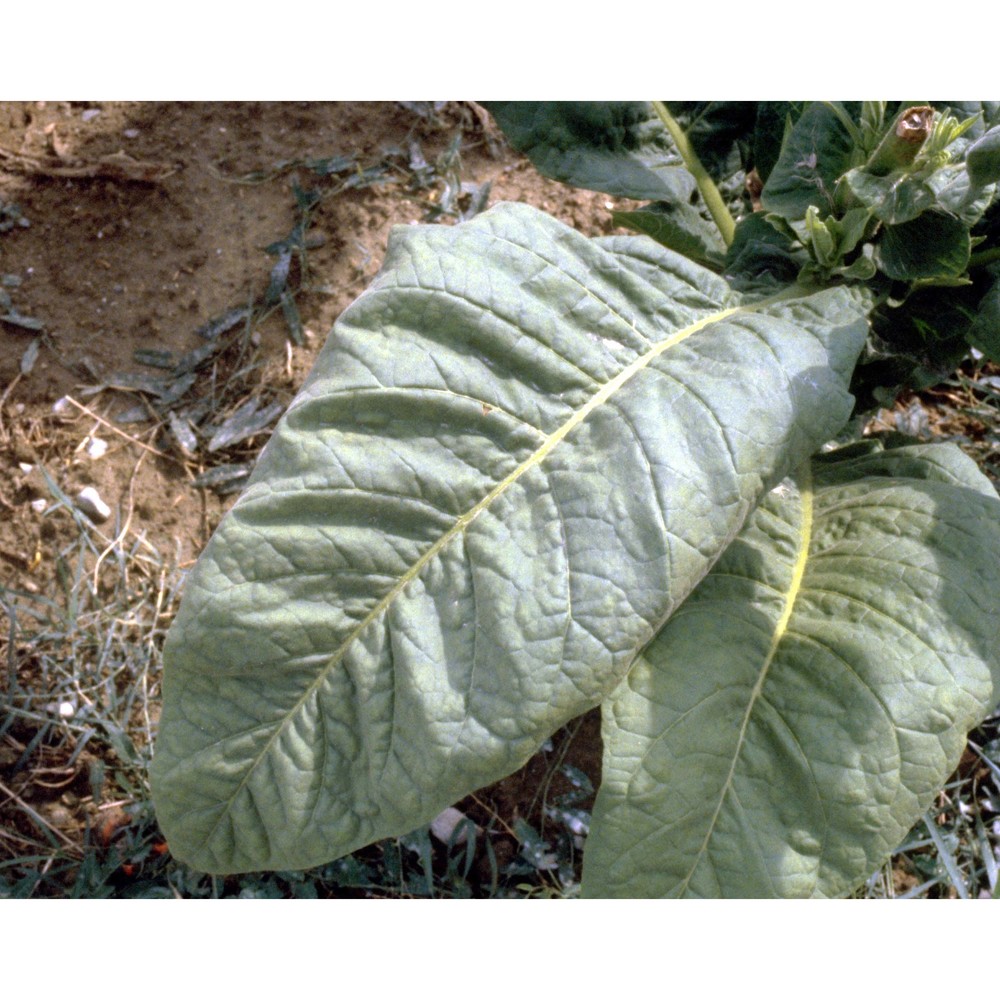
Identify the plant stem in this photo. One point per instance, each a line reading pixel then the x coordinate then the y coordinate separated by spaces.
pixel 709 192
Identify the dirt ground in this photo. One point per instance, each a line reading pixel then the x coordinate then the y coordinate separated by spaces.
pixel 141 223
pixel 130 227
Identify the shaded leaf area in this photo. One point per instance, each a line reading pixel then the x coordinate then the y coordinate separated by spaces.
pixel 619 147
pixel 679 227
pixel 517 454
pixel 761 257
pixel 982 159
pixel 931 246
pixel 984 330
pixel 920 342
pixel 797 715
pixel 719 131
pixel 774 119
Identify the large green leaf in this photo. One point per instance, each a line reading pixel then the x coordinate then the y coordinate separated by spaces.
pixel 894 198
pixel 619 147
pixel 814 154
pixel 517 454
pixel 797 715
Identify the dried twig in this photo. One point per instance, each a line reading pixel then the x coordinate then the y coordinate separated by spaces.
pixel 128 437
pixel 115 166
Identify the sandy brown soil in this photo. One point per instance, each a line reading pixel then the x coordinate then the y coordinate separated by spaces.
pixel 112 262
pixel 136 224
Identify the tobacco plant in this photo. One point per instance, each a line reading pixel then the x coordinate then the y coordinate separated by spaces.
pixel 532 473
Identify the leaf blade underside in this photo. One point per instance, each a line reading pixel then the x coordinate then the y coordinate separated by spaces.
pixel 783 732
pixel 516 455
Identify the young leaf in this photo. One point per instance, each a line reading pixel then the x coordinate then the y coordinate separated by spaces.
pixel 517 454
pixel 798 714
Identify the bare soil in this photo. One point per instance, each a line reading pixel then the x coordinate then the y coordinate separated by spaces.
pixel 136 224
pixel 112 264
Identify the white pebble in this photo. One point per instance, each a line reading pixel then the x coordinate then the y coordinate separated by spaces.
pixel 96 447
pixel 90 502
pixel 444 825
pixel 39 505
pixel 66 710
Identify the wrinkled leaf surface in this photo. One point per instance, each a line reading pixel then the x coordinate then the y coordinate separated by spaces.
pixel 517 454
pixel 798 714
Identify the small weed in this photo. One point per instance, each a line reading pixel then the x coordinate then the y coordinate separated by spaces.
pixel 79 698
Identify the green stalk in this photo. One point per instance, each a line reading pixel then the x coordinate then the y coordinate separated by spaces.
pixel 709 192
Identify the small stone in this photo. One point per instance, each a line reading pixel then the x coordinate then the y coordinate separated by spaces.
pixel 90 502
pixel 39 505
pixel 64 709
pixel 61 406
pixel 96 447
pixel 59 815
pixel 443 826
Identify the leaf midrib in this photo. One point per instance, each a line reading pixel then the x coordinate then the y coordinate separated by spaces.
pixel 803 479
